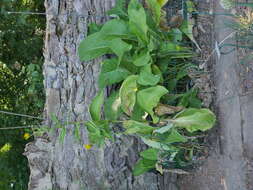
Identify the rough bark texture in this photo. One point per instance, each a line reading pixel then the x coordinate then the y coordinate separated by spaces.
pixel 70 85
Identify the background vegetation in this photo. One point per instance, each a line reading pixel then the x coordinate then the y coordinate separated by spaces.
pixel 21 87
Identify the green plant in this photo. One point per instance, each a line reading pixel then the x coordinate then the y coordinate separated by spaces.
pixel 21 85
pixel 151 100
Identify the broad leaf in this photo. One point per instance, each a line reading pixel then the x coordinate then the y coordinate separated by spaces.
pixel 92 47
pixel 195 119
pixel 142 166
pixel 127 94
pixel 155 8
pixel 147 78
pixel 149 98
pixel 133 127
pixel 137 20
pixel 112 106
pixel 97 44
pixel 142 59
pixel 115 28
pixel 111 73
pixel 119 47
pixel 174 137
pixel 95 107
pixel 150 154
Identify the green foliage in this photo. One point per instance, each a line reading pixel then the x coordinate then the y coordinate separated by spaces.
pixel 95 107
pixel 195 119
pixel 148 69
pixel 21 86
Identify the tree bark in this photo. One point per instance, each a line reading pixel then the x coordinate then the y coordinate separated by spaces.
pixel 70 85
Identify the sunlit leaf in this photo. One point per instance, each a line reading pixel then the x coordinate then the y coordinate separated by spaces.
pixel 149 98
pixel 112 106
pixel 127 94
pixel 195 119
pixel 92 47
pixel 133 127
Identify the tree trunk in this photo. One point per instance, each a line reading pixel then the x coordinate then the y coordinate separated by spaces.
pixel 70 85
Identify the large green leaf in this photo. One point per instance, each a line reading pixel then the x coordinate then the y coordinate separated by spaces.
pixel 115 28
pixel 92 47
pixel 174 136
pixel 147 78
pixel 99 43
pixel 142 59
pixel 133 127
pixel 143 165
pixel 137 20
pixel 149 98
pixel 112 106
pixel 150 154
pixel 119 47
pixel 95 107
pixel 155 8
pixel 195 119
pixel 111 73
pixel 127 94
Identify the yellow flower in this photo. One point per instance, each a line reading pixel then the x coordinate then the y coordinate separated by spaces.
pixel 135 89
pixel 87 146
pixel 26 136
